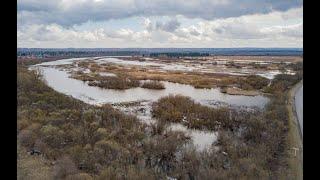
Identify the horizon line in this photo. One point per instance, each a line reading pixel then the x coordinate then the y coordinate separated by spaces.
pixel 161 48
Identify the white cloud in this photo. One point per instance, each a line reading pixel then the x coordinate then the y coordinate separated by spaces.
pixel 275 29
pixel 294 30
pixel 147 24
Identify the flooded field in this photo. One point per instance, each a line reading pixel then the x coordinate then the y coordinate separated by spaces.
pixel 217 66
pixel 57 75
pixel 61 82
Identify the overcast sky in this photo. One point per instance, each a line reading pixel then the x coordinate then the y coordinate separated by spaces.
pixel 159 23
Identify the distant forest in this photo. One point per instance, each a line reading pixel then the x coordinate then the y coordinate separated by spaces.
pixel 155 52
pixel 174 54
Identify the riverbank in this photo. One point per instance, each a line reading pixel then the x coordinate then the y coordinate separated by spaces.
pixel 295 136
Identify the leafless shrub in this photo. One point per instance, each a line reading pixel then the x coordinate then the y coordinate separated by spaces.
pixel 64 167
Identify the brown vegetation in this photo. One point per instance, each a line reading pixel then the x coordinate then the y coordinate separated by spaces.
pixel 115 83
pixel 252 145
pixel 253 82
pixel 153 85
pixel 237 91
pixel 283 82
pixel 108 82
pixel 184 110
pixel 198 80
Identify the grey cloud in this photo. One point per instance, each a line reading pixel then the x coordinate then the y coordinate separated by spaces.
pixel 168 26
pixel 195 32
pixel 238 31
pixel 218 31
pixel 68 13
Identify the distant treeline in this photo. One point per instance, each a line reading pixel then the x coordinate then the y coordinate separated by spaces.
pixel 45 54
pixel 175 54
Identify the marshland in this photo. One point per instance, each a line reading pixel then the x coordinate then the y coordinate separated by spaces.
pixel 156 117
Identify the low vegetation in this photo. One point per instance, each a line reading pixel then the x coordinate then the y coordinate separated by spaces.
pixel 252 145
pixel 80 140
pixel 253 82
pixel 115 83
pixel 107 82
pixel 181 109
pixel 283 82
pixel 238 91
pixel 153 85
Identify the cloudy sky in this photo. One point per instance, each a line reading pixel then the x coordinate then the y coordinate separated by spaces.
pixel 159 23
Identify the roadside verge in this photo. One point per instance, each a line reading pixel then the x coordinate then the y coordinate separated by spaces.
pixel 295 139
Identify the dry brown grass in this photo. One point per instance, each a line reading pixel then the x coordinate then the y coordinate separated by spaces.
pixel 195 79
pixel 237 91
pixel 198 80
pixel 263 58
pixel 108 82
